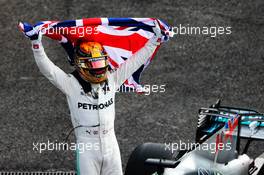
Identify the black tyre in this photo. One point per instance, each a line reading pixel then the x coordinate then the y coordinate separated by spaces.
pixel 136 166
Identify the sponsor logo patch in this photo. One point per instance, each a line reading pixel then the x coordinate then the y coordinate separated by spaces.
pixel 35 46
pixel 95 106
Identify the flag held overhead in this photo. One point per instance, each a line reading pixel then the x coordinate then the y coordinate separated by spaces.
pixel 120 37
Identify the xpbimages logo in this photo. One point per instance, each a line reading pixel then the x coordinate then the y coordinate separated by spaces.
pixel 212 31
pixel 211 147
pixel 41 147
pixel 81 31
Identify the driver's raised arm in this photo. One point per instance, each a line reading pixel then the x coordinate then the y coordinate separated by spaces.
pixel 138 59
pixel 53 73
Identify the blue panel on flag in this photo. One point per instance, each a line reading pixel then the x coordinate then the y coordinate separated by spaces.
pixel 125 22
pixel 67 23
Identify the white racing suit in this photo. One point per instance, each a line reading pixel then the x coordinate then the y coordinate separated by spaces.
pixel 93 117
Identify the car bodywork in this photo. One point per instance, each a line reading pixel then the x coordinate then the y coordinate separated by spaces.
pixel 223 127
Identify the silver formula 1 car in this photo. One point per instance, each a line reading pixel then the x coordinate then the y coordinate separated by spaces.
pixel 217 149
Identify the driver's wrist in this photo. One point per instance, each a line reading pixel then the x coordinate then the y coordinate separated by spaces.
pixel 36 44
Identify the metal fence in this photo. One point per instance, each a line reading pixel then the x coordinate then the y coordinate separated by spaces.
pixel 40 173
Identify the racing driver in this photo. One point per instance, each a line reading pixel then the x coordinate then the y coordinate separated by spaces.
pixel 90 92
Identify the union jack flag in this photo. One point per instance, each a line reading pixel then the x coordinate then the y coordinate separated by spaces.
pixel 120 37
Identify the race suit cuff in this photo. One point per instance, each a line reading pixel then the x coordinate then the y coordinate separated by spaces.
pixel 36 45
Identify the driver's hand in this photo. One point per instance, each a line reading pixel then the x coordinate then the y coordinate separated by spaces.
pixel 30 32
pixel 156 39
